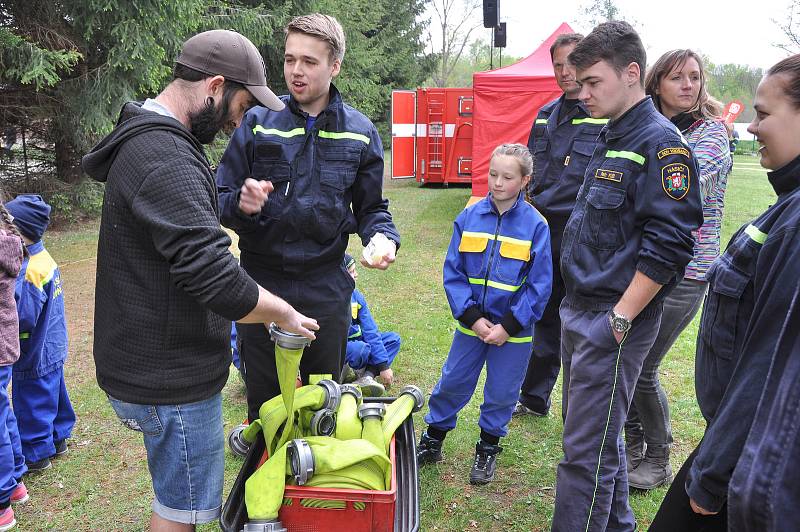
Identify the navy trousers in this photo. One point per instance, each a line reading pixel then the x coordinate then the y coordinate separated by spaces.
pixel 545 362
pixel 325 297
pixel 599 380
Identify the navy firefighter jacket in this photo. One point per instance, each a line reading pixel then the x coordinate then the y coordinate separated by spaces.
pixel 636 210
pixel 750 293
pixel 498 266
pixel 328 184
pixel 42 323
pixel 561 150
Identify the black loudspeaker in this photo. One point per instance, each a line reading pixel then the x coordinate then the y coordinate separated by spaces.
pixel 500 35
pixel 491 13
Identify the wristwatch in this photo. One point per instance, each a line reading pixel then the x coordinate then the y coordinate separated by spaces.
pixel 619 323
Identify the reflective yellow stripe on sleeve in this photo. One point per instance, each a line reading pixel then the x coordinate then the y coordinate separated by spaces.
pixel 540 121
pixel 512 339
pixel 631 156
pixel 755 233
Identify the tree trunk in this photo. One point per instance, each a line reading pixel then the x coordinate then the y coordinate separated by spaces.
pixel 67 161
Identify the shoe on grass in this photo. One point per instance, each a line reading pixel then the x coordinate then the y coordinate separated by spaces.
pixel 429 450
pixel 39 465
pixel 522 410
pixel 61 448
pixel 20 494
pixel 369 386
pixel 7 521
pixel 485 463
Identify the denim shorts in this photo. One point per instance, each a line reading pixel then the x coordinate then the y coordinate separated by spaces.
pixel 185 456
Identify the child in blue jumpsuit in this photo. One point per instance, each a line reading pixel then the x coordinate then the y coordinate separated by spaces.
pixel 497 277
pixel 370 352
pixel 41 402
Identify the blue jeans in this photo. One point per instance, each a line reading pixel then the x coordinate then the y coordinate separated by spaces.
pixel 185 456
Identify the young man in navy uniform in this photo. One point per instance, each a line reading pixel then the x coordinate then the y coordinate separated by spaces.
pixel 625 246
pixel 294 184
pixel 562 140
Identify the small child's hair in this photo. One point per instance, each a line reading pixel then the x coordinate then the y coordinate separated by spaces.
pixel 520 153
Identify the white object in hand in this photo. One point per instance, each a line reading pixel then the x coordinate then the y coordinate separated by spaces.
pixel 377 248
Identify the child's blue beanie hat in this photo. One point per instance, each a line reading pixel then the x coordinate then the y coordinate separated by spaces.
pixel 31 215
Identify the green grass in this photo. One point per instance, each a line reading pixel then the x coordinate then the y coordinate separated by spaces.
pixel 103 483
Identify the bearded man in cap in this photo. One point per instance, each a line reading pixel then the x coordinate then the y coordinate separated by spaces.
pixel 167 287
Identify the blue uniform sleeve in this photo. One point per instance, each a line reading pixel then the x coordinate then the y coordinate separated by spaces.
pixel 370 332
pixel 456 283
pixel 30 303
pixel 528 303
pixel 668 209
pixel 369 206
pixel 722 444
pixel 236 166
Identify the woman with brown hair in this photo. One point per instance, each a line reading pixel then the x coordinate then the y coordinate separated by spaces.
pixel 677 84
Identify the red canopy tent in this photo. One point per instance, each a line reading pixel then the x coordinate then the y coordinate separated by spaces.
pixel 506 103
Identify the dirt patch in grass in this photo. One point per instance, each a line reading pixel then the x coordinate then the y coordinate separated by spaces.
pixel 78 279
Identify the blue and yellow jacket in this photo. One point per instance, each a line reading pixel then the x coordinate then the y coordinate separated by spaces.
pixel 364 328
pixel 42 324
pixel 561 150
pixel 498 266
pixel 328 183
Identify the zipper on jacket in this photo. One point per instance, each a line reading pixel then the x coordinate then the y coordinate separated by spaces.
pixel 491 260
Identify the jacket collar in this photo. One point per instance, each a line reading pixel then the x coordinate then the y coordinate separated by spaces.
pixel 334 103
pixel 630 119
pixel 787 178
pixel 36 247
pixel 560 102
pixel 487 206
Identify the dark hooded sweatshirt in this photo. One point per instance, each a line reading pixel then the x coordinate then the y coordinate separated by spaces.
pixel 167 285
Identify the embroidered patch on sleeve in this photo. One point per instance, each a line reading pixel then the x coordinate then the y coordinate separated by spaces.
pixel 611 175
pixel 673 151
pixel 675 180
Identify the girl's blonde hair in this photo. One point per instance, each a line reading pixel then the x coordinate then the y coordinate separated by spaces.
pixel 520 153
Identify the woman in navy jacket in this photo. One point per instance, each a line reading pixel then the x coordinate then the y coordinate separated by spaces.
pixel 743 334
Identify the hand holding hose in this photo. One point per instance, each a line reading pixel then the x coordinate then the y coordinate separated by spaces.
pixel 294 322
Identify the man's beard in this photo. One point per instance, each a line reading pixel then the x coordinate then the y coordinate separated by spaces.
pixel 208 121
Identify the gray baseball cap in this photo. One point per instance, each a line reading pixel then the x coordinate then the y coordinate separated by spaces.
pixel 231 55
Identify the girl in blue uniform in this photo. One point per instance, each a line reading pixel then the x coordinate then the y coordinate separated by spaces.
pixel 497 278
pixel 41 402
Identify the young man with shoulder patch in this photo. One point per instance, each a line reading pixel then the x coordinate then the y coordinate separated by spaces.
pixel 625 247
pixel 294 184
pixel 562 141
